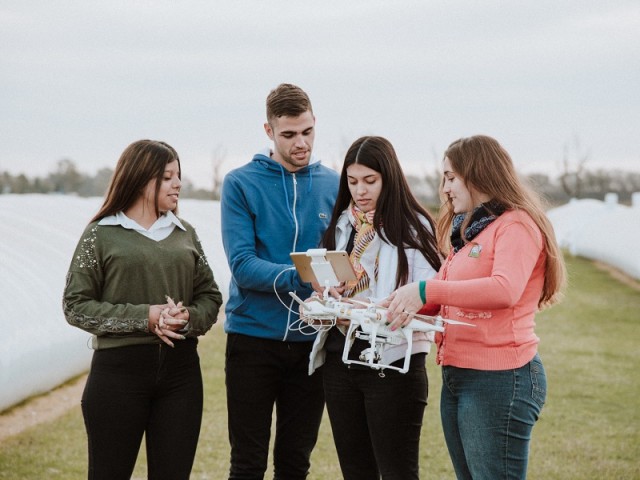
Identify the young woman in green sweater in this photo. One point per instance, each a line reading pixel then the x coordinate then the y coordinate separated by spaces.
pixel 140 283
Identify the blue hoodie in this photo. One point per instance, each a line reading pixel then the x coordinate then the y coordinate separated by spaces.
pixel 268 212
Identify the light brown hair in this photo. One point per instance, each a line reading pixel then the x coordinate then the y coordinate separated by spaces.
pixel 485 167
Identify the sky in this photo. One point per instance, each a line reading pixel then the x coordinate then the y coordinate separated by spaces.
pixel 82 79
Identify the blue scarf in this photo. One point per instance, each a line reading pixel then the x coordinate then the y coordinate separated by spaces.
pixel 481 217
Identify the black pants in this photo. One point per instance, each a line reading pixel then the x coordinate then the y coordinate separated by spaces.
pixel 259 374
pixel 376 421
pixel 144 389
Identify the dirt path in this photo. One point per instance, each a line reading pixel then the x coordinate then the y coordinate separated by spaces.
pixel 618 275
pixel 42 408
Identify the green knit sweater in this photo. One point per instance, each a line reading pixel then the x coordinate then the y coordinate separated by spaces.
pixel 116 274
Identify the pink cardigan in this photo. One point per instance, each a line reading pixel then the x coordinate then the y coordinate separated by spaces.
pixel 493 282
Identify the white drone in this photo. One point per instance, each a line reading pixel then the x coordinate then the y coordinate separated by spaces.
pixel 368 321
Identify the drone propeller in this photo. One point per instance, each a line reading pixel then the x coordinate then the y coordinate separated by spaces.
pixel 300 301
pixel 364 304
pixel 427 318
pixel 304 304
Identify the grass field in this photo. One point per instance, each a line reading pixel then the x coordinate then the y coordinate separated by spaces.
pixel 589 428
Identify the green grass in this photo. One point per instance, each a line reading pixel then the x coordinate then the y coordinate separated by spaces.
pixel 588 428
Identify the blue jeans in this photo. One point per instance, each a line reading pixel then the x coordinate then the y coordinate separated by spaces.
pixel 488 416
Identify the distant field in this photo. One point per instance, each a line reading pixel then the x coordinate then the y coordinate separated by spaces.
pixel 589 427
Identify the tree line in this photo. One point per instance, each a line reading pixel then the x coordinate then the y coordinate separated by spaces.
pixel 574 182
pixel 68 180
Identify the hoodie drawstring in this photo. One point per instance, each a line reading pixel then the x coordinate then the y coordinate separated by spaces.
pixel 286 193
pixel 295 238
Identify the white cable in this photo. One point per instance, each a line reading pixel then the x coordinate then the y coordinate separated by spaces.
pixel 275 280
pixel 318 323
pixel 301 326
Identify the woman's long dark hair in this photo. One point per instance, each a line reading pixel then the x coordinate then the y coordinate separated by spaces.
pixel 397 210
pixel 141 162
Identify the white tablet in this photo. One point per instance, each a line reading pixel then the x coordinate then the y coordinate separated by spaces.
pixel 310 268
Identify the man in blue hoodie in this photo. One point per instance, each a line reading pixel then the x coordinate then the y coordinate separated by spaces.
pixel 278 203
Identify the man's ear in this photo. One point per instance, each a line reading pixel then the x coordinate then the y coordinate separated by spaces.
pixel 268 130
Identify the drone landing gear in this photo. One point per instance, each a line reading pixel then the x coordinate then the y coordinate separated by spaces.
pixel 378 336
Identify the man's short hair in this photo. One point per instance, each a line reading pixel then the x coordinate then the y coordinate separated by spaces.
pixel 287 100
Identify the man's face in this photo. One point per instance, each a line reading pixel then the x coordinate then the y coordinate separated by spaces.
pixel 292 139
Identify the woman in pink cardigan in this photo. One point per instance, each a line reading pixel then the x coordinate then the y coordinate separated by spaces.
pixel 503 265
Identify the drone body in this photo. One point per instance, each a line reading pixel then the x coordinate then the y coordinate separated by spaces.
pixel 367 322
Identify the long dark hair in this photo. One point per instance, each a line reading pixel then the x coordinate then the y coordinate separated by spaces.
pixel 141 162
pixel 397 210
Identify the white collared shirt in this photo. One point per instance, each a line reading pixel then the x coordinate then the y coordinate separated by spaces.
pixel 161 228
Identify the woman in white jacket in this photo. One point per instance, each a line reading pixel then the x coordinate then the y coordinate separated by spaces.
pixel 390 241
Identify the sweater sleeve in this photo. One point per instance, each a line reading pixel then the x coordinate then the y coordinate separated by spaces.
pixel 81 303
pixel 205 305
pixel 517 249
pixel 239 240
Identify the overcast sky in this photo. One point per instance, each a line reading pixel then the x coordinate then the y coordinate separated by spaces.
pixel 83 79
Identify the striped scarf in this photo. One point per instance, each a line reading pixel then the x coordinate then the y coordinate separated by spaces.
pixel 362 223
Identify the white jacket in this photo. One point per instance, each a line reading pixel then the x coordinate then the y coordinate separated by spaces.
pixel 419 269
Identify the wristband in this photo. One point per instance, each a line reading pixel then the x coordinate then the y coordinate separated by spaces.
pixel 422 286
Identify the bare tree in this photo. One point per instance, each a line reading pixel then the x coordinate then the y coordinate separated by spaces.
pixel 338 161
pixel 217 159
pixel 572 178
pixel 433 175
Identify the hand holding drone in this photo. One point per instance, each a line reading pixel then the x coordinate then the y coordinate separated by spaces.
pixel 368 321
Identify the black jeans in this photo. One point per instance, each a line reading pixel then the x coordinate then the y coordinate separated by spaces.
pixel 259 374
pixel 376 421
pixel 143 389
